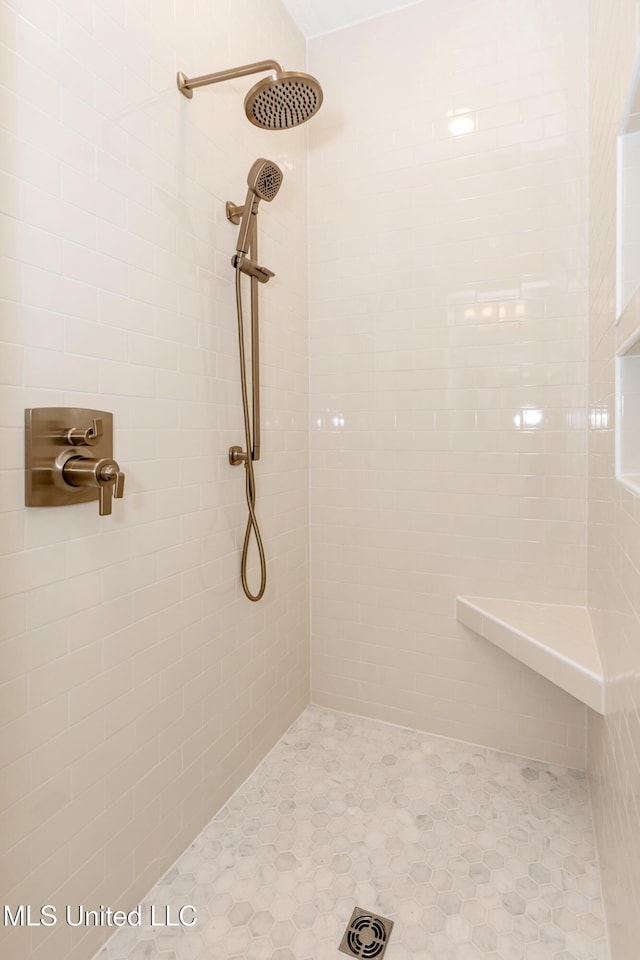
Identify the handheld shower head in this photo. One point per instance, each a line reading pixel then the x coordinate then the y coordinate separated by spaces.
pixel 264 181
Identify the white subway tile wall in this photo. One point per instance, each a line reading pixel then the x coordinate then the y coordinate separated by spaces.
pixel 448 338
pixel 448 419
pixel 614 529
pixel 140 687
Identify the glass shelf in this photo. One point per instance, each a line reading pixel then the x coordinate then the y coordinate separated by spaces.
pixel 628 411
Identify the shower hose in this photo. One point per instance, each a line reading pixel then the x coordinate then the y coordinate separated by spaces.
pixel 249 477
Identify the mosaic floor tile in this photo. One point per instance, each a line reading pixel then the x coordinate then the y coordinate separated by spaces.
pixel 473 854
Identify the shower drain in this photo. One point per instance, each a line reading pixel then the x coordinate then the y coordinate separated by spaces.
pixel 366 935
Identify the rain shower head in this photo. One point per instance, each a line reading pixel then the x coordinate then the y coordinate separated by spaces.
pixel 278 102
pixel 283 100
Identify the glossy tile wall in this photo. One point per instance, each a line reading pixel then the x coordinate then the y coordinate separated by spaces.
pixel 138 686
pixel 614 530
pixel 448 335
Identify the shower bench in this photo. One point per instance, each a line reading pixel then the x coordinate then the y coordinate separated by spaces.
pixel 554 640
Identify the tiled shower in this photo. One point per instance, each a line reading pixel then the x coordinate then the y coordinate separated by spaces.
pixel 438 398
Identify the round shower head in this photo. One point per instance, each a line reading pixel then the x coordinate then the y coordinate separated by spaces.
pixel 265 179
pixel 283 100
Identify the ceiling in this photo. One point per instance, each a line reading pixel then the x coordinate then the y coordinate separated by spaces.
pixel 314 17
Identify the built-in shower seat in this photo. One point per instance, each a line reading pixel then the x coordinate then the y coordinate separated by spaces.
pixel 556 641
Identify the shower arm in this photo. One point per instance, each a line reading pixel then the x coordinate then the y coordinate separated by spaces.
pixel 187 86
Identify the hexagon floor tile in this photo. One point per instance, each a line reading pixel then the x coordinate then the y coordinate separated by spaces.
pixel 474 854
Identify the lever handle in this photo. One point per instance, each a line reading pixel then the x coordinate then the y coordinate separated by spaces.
pixel 111 479
pixel 76 435
pixel 105 474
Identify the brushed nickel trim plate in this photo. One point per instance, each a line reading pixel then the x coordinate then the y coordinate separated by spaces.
pixel 69 458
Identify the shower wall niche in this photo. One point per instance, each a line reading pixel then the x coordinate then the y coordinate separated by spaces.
pixel 628 198
pixel 627 434
pixel 628 411
pixel 628 259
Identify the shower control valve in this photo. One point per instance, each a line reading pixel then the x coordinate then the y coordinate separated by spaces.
pixel 67 464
